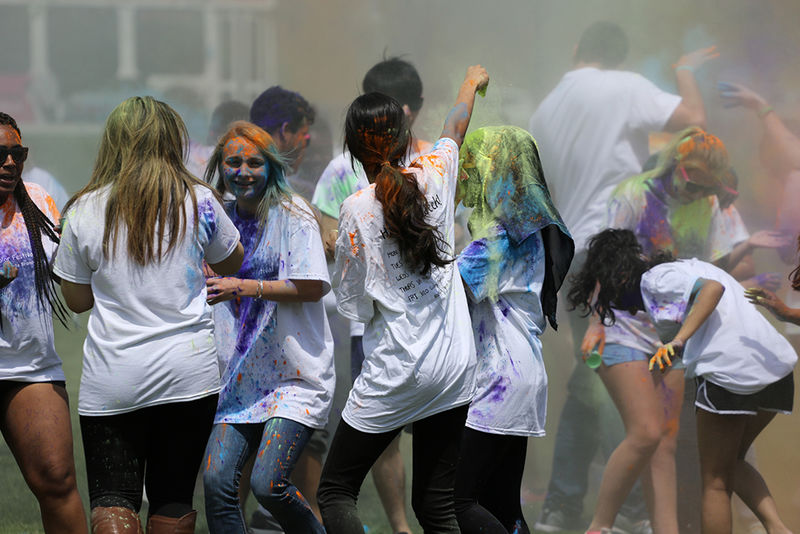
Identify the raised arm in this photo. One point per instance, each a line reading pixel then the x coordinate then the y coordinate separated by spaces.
pixel 457 121
pixel 691 111
pixel 780 148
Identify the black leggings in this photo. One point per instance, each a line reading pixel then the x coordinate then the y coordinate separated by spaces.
pixel 488 483
pixel 435 453
pixel 159 447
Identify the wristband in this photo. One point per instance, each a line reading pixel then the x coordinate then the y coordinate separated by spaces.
pixel 763 112
pixel 260 289
pixel 685 67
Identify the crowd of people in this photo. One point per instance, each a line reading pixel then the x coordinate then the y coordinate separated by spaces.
pixel 209 348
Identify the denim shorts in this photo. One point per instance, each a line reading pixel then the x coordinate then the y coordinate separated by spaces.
pixel 614 354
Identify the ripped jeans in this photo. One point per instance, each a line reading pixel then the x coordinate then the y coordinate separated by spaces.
pixel 277 445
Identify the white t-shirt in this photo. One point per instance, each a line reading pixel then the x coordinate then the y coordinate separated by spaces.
pixel 699 229
pixel 150 334
pixel 736 347
pixel 27 353
pixel 507 321
pixel 592 131
pixel 277 356
pixel 341 178
pixel 418 343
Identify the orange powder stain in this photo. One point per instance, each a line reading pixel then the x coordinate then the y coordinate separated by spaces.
pixel 208 464
pixel 239 377
pixel 353 246
pixel 298 372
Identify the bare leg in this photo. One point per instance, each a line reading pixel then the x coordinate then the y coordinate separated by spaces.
pixel 631 387
pixel 305 477
pixel 748 483
pixel 36 425
pixel 660 476
pixel 390 481
pixel 719 440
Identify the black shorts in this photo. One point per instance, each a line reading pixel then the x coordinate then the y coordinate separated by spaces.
pixel 776 397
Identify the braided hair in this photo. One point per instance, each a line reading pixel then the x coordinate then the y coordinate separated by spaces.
pixel 37 223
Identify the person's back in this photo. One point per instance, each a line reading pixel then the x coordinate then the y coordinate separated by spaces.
pixel 592 131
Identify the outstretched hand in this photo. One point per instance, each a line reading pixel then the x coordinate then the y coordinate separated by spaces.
pixel 767 299
pixel 734 94
pixel 696 59
pixel 7 274
pixel 770 239
pixel 665 354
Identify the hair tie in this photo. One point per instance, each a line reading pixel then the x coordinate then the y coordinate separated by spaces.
pixel 386 163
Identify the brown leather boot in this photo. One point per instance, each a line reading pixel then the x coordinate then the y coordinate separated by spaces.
pixel 115 520
pixel 159 524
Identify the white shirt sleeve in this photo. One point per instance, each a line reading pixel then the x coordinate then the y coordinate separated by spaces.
pixel 305 258
pixel 224 236
pixel 650 107
pixel 71 263
pixel 727 230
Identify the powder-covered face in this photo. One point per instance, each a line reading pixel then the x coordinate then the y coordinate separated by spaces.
pixel 244 169
pixel 10 170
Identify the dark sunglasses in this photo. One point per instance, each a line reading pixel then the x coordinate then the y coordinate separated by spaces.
pixel 18 153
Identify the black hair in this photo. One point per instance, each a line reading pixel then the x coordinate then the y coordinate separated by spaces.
pixel 224 115
pixel 37 224
pixel 277 106
pixel 603 42
pixel 377 135
pixel 613 269
pixel 396 78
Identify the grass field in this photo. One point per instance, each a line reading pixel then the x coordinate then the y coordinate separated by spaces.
pixel 778 450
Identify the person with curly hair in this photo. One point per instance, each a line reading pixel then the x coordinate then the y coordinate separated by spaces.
pixel 742 365
pixel 34 408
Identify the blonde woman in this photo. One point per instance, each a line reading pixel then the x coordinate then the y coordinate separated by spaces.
pixel 132 251
pixel 278 378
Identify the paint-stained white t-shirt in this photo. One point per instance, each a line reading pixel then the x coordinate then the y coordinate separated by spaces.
pixel 592 131
pixel 27 350
pixel 150 335
pixel 736 347
pixel 418 343
pixel 505 283
pixel 277 357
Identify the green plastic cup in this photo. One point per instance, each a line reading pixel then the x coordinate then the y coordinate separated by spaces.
pixel 594 359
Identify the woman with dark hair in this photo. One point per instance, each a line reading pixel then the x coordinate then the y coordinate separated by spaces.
pixel 132 251
pixel 513 268
pixel 395 272
pixel 278 376
pixel 34 409
pixel 742 365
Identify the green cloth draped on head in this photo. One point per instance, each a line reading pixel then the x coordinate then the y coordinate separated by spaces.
pixel 503 181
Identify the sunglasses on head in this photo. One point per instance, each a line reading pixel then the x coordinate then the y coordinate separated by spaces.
pixel 18 153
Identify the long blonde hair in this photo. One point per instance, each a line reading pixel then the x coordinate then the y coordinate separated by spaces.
pixel 141 159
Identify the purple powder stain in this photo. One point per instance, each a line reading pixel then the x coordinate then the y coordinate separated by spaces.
pixel 497 391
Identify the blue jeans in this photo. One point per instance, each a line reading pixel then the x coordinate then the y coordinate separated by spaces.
pixel 277 445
